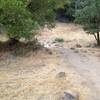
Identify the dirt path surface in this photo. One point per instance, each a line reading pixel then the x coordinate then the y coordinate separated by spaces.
pixel 87 67
pixel 36 75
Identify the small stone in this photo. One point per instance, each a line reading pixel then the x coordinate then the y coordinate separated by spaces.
pixel 49 51
pixel 61 74
pixel 78 46
pixel 72 48
pixel 70 96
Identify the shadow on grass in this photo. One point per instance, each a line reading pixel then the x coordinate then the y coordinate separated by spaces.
pixel 19 48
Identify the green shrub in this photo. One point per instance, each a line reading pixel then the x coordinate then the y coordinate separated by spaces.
pixel 61 40
pixel 16 19
pixel 20 17
pixel 88 15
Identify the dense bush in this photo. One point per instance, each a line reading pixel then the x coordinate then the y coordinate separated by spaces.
pixel 16 19
pixel 45 10
pixel 70 9
pixel 88 14
pixel 20 17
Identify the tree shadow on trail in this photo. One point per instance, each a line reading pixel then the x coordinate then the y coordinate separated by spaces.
pixel 19 48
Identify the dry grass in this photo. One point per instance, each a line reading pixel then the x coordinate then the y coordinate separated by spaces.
pixel 29 75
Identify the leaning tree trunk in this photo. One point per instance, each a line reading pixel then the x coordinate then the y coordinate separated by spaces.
pixel 98 39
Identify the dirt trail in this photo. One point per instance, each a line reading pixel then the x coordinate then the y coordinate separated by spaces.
pixel 84 64
pixel 35 76
pixel 87 67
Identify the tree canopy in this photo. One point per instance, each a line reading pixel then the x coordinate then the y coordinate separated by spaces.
pixel 20 17
pixel 88 14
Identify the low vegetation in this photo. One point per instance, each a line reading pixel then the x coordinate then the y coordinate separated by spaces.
pixel 61 40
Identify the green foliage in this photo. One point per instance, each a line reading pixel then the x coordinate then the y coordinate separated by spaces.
pixel 44 10
pixel 20 17
pixel 88 14
pixel 16 19
pixel 61 40
pixel 70 9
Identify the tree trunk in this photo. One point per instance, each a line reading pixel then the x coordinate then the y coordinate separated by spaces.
pixel 98 39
